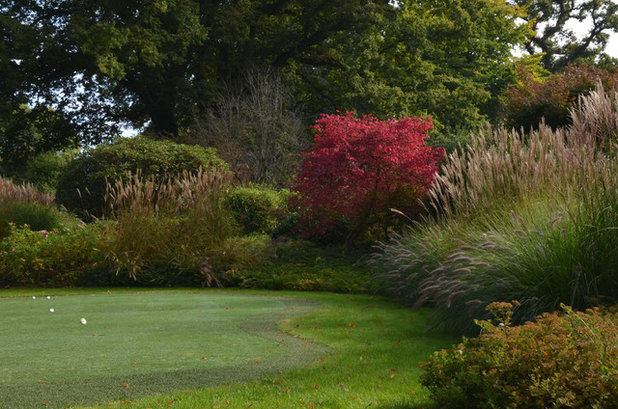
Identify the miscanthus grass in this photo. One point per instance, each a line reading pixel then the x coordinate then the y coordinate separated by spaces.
pixel 527 217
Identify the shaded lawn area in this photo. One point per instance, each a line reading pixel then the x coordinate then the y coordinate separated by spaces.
pixel 204 348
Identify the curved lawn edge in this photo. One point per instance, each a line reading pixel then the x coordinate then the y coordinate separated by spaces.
pixel 299 352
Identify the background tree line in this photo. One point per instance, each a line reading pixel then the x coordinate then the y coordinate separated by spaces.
pixel 73 72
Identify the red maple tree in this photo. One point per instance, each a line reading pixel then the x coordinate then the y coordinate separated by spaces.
pixel 360 168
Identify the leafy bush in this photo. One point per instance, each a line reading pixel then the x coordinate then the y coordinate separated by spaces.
pixel 48 258
pixel 564 361
pixel 360 168
pixel 301 265
pixel 44 170
pixel 552 97
pixel 259 208
pixel 81 187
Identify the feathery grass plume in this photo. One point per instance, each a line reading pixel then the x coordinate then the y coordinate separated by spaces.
pixel 9 191
pixel 171 225
pixel 595 118
pixel 25 205
pixel 526 217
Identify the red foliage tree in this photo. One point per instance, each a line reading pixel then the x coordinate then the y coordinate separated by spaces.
pixel 359 168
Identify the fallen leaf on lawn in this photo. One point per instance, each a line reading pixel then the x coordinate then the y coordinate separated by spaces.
pixel 352 324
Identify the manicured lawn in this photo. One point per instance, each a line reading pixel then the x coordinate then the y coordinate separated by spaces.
pixel 209 348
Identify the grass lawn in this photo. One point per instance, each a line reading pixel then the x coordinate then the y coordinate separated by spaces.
pixel 209 349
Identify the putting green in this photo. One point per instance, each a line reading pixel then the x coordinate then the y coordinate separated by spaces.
pixel 137 344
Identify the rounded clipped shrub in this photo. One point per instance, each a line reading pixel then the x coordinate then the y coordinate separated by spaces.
pixel 258 208
pixel 560 361
pixel 82 186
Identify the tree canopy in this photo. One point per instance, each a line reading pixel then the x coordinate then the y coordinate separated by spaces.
pixel 555 37
pixel 163 62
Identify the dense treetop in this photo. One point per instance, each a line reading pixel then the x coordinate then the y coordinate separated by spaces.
pixel 86 67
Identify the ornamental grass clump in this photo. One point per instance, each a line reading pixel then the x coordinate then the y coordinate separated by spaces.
pixel 25 205
pixel 526 217
pixel 166 232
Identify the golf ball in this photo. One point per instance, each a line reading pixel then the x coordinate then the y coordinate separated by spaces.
pixel 51 310
pixel 48 297
pixel 83 321
pixel 34 297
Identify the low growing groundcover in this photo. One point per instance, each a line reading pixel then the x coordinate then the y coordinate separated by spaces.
pixel 208 349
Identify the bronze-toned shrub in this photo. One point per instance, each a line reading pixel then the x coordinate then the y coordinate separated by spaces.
pixel 565 360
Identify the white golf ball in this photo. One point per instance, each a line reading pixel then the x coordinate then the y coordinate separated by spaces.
pixel 83 321
pixel 34 297
pixel 48 297
pixel 51 310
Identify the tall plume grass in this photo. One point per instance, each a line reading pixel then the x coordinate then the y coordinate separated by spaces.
pixel 173 225
pixel 25 205
pixel 9 191
pixel 527 217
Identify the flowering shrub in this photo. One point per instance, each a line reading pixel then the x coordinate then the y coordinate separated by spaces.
pixel 47 258
pixel 560 361
pixel 360 168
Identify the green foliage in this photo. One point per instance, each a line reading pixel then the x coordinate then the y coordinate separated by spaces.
pixel 568 361
pixel 300 265
pixel 48 258
pixel 259 208
pixel 551 98
pixel 25 205
pixel 44 170
pixel 555 38
pixel 34 215
pixel 165 61
pixel 531 217
pixel 82 185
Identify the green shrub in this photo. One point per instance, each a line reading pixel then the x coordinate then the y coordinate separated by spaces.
pixel 301 265
pixel 82 186
pixel 48 258
pixel 259 209
pixel 44 170
pixel 560 361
